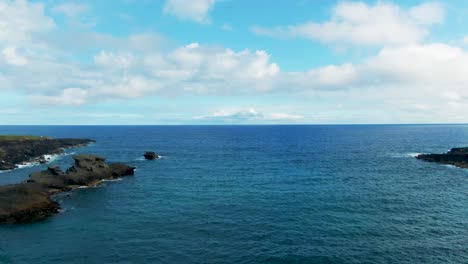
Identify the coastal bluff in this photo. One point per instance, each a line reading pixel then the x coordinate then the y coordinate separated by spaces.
pixel 456 156
pixel 32 200
pixel 15 150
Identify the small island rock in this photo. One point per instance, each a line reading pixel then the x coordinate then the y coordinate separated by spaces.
pixel 150 155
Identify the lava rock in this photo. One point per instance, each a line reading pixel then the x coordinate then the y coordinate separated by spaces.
pixel 14 152
pixel 456 156
pixel 150 155
pixel 27 202
pixel 119 170
pixel 31 200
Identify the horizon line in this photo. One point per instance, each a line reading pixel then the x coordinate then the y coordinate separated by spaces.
pixel 325 124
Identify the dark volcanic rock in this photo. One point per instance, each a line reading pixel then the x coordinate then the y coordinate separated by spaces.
pixel 53 177
pixel 120 170
pixel 14 152
pixel 150 155
pixel 88 169
pixel 25 202
pixel 32 201
pixel 456 156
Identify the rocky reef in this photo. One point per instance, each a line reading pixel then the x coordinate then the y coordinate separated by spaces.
pixel 32 200
pixel 456 156
pixel 150 155
pixel 16 150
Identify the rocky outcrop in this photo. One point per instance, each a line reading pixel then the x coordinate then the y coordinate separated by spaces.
pixel 31 200
pixel 21 150
pixel 87 169
pixel 23 203
pixel 150 155
pixel 456 156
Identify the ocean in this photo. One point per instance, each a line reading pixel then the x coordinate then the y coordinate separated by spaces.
pixel 255 194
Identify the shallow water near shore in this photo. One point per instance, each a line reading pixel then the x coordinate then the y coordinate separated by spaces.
pixel 255 194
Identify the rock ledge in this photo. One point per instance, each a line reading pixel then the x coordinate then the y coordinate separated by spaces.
pixel 32 200
pixel 456 156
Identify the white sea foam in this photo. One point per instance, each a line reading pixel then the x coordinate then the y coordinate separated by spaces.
pixel 48 158
pixel 143 158
pixel 413 155
pixel 27 165
pixel 53 157
pixel 405 155
pixel 450 166
pixel 112 180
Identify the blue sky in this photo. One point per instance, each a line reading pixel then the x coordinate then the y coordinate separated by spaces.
pixel 233 62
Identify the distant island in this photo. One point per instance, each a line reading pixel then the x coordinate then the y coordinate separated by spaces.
pixel 456 156
pixel 32 200
pixel 16 150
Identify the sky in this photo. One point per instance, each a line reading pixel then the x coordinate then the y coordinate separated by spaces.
pixel 171 62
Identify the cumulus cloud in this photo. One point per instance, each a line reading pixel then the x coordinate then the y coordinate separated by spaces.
pixel 205 70
pixel 130 73
pixel 358 23
pixel 194 10
pixel 246 115
pixel 195 69
pixel 12 57
pixel 410 76
pixel 435 63
pixel 20 20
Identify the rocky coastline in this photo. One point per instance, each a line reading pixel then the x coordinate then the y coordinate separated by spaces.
pixel 32 200
pixel 16 150
pixel 456 156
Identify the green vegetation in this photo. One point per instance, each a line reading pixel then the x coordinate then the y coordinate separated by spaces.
pixel 20 137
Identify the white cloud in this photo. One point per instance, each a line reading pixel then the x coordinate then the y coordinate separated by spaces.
pixel 428 13
pixel 412 77
pixel 71 10
pixel 77 15
pixel 194 10
pixel 68 96
pixel 465 40
pixel 424 64
pixel 111 60
pixel 12 57
pixel 207 70
pixel 20 20
pixel 246 115
pixel 358 23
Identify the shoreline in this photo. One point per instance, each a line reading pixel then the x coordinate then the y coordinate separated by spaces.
pixel 34 199
pixel 21 150
pixel 457 157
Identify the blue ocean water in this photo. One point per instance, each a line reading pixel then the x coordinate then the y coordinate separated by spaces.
pixel 255 194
